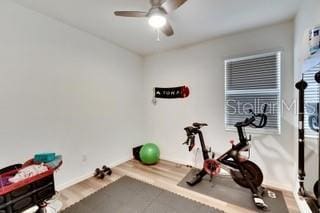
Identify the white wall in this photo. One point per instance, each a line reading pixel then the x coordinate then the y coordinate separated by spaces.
pixel 307 18
pixel 65 91
pixel 202 68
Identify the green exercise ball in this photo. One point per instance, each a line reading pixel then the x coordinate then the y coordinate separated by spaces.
pixel 149 154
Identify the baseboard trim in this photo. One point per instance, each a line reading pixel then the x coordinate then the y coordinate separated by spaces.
pixel 88 175
pixel 73 182
pixel 178 161
pixel 301 202
pixel 278 186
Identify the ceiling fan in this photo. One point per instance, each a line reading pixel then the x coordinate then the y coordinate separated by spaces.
pixel 157 14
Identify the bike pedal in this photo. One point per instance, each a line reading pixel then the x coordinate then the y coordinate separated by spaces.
pixel 259 202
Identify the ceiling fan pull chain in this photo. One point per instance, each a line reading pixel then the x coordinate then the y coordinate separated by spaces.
pixel 158 35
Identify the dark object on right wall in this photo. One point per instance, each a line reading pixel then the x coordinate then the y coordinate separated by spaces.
pixel 316 187
pixel 314 125
pixel 314 119
pixel 311 201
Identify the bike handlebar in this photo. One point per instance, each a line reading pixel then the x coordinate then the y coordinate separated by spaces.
pixel 195 128
pixel 190 141
pixel 191 132
pixel 251 121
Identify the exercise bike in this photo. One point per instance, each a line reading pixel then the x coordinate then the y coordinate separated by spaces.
pixel 243 171
pixel 310 200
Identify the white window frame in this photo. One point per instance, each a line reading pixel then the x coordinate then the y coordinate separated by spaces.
pixel 266 91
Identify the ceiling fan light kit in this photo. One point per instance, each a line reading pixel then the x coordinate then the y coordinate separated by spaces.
pixel 157 21
pixel 157 14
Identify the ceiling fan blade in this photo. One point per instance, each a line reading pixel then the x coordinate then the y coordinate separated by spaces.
pixel 130 13
pixel 156 3
pixel 167 29
pixel 171 5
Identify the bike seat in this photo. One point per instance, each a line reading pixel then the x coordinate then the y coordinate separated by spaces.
pixel 199 125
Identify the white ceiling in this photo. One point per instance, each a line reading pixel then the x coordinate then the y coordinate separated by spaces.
pixel 195 21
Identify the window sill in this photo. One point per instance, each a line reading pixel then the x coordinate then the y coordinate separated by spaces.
pixel 256 131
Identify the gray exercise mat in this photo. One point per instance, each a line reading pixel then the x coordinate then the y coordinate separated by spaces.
pixel 225 189
pixel 128 195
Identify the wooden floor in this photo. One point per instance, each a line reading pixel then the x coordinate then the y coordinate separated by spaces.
pixel 165 175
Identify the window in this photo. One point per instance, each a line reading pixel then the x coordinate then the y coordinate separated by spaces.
pixel 311 67
pixel 250 83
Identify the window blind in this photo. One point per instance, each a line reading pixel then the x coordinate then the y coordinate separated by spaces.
pixel 251 82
